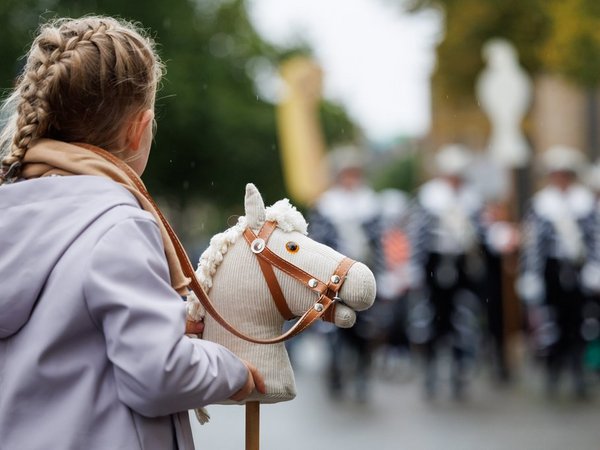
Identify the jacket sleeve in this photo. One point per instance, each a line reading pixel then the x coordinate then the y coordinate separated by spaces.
pixel 158 370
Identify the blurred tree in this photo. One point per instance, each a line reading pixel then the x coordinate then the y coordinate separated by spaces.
pixel 337 126
pixel 215 133
pixel 558 36
pixel 18 20
pixel 469 24
pixel 398 172
pixel 573 46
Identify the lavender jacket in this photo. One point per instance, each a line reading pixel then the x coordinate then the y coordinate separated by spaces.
pixel 92 347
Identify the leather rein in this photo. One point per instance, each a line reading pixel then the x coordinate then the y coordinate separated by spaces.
pixel 324 307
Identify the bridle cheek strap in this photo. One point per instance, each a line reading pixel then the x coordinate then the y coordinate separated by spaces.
pixel 269 273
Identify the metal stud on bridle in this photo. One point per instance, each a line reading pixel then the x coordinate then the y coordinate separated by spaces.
pixel 258 245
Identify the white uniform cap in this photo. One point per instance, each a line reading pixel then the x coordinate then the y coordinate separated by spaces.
pixel 561 158
pixel 453 160
pixel 344 158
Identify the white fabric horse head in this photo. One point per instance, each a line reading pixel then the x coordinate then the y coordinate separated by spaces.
pixel 230 274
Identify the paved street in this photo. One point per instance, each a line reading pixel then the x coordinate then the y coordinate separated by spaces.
pixel 397 417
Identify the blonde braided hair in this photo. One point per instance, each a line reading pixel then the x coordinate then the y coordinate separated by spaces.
pixel 82 79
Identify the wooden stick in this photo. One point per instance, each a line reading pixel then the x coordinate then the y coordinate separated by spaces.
pixel 252 426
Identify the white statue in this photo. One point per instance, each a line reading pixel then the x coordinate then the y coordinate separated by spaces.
pixel 504 92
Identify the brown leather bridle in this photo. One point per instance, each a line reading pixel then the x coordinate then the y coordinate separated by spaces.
pixel 324 307
pixel 327 293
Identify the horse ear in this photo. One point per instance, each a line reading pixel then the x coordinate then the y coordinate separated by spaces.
pixel 254 206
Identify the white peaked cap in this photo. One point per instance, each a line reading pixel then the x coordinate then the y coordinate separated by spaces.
pixel 346 157
pixel 560 158
pixel 453 160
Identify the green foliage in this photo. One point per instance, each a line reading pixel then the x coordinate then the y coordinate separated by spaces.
pixel 399 172
pixel 337 127
pixel 562 36
pixel 470 23
pixel 18 20
pixel 573 48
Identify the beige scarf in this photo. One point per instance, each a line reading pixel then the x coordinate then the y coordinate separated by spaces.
pixel 49 157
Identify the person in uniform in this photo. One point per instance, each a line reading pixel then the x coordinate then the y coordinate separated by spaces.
pixel 446 268
pixel 346 218
pixel 560 266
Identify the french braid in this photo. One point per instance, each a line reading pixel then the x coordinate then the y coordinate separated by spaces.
pixel 82 78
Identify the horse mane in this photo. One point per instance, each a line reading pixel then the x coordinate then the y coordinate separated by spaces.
pixel 282 212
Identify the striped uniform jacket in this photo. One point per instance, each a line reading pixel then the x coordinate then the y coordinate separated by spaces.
pixel 442 220
pixel 563 226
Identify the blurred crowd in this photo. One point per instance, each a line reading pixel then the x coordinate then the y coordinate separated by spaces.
pixel 450 257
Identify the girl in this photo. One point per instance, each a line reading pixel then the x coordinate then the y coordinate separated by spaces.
pixel 92 346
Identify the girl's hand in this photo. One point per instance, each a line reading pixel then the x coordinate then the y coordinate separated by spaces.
pixel 194 327
pixel 255 380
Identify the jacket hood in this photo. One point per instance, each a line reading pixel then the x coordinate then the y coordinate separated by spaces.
pixel 39 220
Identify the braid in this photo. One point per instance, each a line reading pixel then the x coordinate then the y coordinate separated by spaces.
pixel 49 49
pixel 81 78
pixel 32 110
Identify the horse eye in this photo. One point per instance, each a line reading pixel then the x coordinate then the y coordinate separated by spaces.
pixel 292 247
